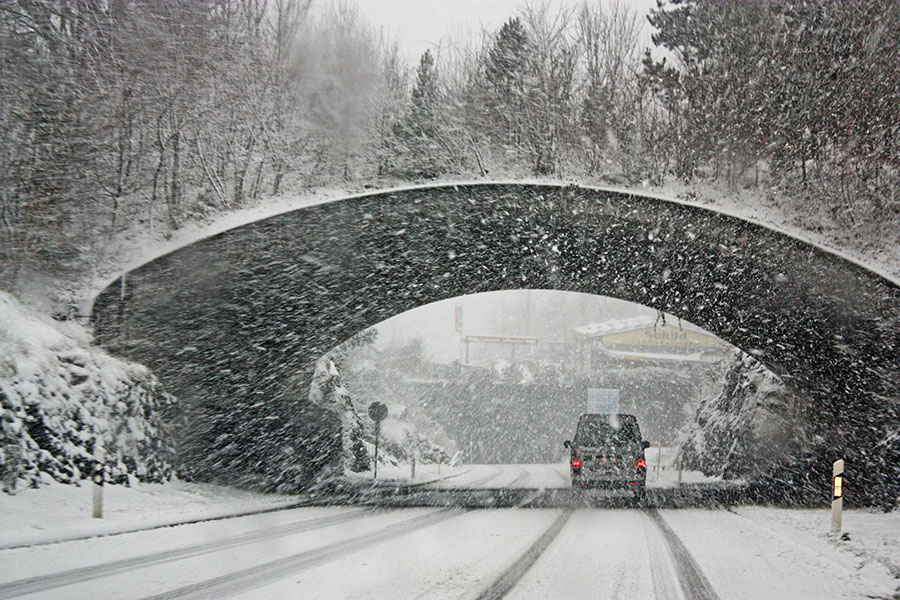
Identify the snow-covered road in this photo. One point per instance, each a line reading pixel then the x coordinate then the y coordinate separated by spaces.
pixel 450 553
pixel 567 552
pixel 661 473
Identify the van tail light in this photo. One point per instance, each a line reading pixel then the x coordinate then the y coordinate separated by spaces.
pixel 576 463
pixel 641 463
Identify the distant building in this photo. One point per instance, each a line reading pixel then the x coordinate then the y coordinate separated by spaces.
pixel 643 340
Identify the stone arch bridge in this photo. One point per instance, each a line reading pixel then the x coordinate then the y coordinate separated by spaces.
pixel 233 324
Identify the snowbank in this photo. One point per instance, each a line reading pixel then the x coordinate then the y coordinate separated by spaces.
pixel 58 512
pixel 59 396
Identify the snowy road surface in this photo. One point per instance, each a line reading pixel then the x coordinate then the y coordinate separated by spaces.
pixel 661 473
pixel 568 552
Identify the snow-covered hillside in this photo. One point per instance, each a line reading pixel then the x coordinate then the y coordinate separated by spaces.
pixel 60 396
pixel 750 426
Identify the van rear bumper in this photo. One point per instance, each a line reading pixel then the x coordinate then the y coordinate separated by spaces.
pixel 609 484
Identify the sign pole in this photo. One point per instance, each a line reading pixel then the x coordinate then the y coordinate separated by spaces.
pixel 377 431
pixel 837 496
pixel 377 412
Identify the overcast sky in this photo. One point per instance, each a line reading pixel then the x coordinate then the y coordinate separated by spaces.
pixel 545 314
pixel 421 24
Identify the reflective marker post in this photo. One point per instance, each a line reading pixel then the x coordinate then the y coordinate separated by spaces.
pixel 837 496
pixel 99 466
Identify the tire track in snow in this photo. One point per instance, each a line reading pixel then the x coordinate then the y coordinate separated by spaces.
pixel 693 583
pixel 663 571
pixel 254 577
pixel 523 476
pixel 495 471
pixel 505 582
pixel 41 583
pixel 566 480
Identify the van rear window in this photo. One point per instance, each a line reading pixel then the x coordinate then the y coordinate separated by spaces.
pixel 599 433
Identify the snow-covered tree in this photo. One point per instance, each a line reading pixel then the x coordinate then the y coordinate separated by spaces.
pixel 327 392
pixel 421 150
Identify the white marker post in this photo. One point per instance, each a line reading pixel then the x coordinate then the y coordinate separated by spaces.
pixel 659 457
pixel 99 467
pixel 837 496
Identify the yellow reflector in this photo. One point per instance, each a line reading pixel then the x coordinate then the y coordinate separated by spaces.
pixel 838 481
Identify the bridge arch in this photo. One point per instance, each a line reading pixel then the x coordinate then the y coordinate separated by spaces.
pixel 237 314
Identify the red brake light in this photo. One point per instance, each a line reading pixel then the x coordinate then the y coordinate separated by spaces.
pixel 576 463
pixel 641 464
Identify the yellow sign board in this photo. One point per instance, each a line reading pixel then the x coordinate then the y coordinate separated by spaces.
pixel 663 337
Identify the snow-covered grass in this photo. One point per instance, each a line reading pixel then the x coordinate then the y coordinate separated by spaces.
pixel 57 512
pixel 763 552
pixel 872 536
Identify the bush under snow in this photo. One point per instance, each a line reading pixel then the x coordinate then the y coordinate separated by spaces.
pixel 59 396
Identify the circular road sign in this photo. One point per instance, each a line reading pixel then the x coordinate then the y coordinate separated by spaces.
pixel 377 411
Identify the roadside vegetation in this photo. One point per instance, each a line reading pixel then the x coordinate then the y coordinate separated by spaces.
pixel 151 115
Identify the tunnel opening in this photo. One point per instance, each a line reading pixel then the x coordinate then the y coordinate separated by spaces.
pixel 502 378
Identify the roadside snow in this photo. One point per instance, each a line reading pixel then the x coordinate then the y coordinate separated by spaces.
pixel 872 536
pixel 57 512
pixel 60 397
pixel 759 552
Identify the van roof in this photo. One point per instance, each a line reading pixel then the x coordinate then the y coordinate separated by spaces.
pixel 605 416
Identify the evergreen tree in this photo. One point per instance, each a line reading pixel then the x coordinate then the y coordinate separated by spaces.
pixel 421 152
pixel 422 120
pixel 505 73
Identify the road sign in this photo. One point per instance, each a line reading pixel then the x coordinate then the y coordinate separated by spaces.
pixel 378 411
pixel 603 401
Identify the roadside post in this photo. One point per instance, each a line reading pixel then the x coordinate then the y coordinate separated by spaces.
pixel 377 412
pixel 659 456
pixel 99 469
pixel 837 496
